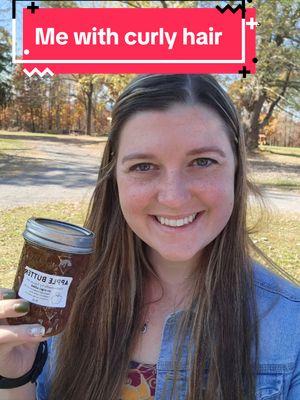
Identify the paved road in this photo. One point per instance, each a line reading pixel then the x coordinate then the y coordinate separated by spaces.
pixel 282 200
pixel 66 171
pixel 55 170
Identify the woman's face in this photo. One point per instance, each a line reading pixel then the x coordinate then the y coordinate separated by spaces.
pixel 175 176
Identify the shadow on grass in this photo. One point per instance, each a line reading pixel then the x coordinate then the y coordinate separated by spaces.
pixel 15 149
pixel 262 163
pixel 284 154
pixel 276 194
pixel 22 171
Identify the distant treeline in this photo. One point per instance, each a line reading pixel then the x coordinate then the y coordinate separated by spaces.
pixel 61 104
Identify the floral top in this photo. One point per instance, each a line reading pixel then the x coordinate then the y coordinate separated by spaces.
pixel 141 382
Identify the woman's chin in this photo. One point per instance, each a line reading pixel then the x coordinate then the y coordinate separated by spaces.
pixel 177 257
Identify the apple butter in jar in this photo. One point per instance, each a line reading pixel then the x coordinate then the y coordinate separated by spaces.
pixel 54 260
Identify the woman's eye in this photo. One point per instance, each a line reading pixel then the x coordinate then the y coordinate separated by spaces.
pixel 143 167
pixel 205 162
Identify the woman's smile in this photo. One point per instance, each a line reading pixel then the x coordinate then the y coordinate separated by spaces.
pixel 171 225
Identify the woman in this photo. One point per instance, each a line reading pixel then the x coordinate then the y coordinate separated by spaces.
pixel 173 307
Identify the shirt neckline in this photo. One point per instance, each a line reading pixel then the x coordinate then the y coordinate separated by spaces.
pixel 136 363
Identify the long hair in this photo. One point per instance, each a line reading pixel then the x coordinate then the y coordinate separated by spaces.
pixel 220 324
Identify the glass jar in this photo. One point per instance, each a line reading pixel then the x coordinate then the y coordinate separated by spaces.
pixel 54 260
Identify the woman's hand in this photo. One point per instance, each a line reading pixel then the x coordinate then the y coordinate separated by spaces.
pixel 18 343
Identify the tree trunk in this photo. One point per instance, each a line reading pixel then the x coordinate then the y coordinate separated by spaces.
pixel 251 125
pixel 57 120
pixel 50 106
pixel 89 109
pixel 32 120
pixel 49 120
pixel 254 125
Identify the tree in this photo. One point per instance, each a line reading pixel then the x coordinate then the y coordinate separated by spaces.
pixel 86 91
pixel 60 4
pixel 28 102
pixel 282 130
pixel 94 92
pixel 5 67
pixel 277 78
pixel 59 104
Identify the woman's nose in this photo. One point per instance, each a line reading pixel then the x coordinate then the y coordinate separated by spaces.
pixel 173 191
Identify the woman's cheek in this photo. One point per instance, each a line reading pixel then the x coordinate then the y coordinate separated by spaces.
pixel 135 196
pixel 218 198
pixel 225 201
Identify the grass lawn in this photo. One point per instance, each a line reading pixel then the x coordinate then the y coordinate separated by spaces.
pixel 15 146
pixel 51 135
pixel 33 134
pixel 277 234
pixel 9 145
pixel 277 181
pixel 286 151
pixel 277 167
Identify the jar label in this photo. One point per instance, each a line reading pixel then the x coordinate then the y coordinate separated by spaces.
pixel 44 289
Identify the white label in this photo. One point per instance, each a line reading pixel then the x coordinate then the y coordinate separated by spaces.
pixel 44 289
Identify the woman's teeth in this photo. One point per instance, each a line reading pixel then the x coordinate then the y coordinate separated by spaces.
pixel 177 222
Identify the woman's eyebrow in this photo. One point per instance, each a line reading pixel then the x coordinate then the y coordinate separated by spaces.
pixel 138 156
pixel 200 150
pixel 206 149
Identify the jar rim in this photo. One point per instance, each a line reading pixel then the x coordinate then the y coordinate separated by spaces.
pixel 59 235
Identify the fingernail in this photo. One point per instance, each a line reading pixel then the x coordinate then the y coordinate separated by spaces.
pixel 21 307
pixel 9 295
pixel 36 331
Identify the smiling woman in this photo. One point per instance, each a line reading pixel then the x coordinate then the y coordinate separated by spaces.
pixel 173 307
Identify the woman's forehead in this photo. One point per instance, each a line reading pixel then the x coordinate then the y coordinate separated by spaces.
pixel 177 127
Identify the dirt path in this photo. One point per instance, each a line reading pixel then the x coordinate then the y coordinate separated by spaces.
pixel 52 169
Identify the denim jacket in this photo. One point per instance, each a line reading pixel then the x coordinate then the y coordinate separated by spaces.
pixel 278 375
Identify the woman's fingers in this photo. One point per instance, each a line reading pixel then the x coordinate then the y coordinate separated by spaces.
pixel 13 308
pixel 18 343
pixel 10 307
pixel 18 334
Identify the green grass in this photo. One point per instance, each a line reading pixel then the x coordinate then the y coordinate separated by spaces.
pixel 33 134
pixel 280 168
pixel 55 135
pixel 277 234
pixel 9 145
pixel 288 151
pixel 292 183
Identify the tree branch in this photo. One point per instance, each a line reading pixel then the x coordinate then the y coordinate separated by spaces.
pixel 276 101
pixel 128 3
pixel 286 111
pixel 277 94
